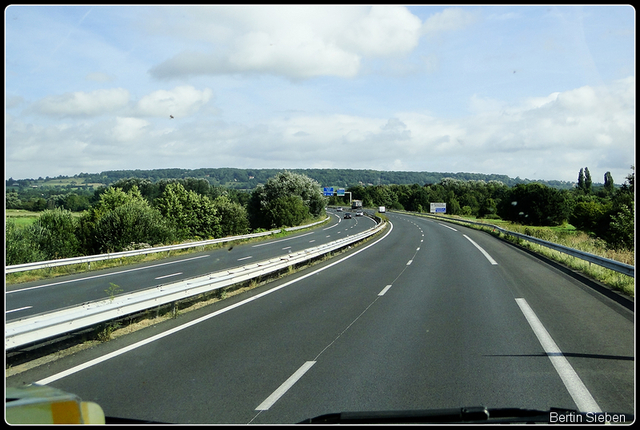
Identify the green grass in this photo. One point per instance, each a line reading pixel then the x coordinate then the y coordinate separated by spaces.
pixel 21 217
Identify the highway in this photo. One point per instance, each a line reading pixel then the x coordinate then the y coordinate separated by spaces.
pixel 428 315
pixel 31 298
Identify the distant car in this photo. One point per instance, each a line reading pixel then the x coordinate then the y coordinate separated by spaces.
pixel 347 215
pixel 359 213
pixel 339 210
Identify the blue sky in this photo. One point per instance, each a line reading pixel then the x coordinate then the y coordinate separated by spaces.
pixel 531 91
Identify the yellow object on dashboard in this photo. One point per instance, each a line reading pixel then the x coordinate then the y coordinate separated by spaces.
pixel 39 404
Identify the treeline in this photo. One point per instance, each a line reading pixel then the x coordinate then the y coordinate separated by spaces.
pixel 136 213
pixel 249 179
pixel 604 211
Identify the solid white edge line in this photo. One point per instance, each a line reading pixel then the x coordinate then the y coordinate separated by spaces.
pixel 279 392
pixel 450 228
pixel 485 253
pixel 578 391
pixel 133 346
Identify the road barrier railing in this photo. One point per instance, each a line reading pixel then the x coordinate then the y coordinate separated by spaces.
pixel 114 255
pixel 38 328
pixel 617 266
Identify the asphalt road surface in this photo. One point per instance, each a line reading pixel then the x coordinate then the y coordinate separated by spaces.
pixel 429 315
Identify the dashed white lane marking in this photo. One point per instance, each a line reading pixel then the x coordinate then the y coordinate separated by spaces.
pixel 279 392
pixel 168 276
pixel 384 290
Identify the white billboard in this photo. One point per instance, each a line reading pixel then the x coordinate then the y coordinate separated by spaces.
pixel 438 208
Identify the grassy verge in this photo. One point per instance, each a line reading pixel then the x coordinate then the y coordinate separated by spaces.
pixel 567 236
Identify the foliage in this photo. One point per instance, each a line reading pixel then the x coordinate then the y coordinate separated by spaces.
pixel 234 219
pixel 191 214
pixel 284 192
pixel 19 247
pixel 119 219
pixel 535 204
pixel 131 222
pixel 54 234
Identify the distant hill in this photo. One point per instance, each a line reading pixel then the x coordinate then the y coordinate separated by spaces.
pixel 248 179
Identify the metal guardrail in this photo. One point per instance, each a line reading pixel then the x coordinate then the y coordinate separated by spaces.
pixel 617 266
pixel 45 326
pixel 110 256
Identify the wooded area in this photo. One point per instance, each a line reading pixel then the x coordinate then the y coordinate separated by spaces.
pixel 138 212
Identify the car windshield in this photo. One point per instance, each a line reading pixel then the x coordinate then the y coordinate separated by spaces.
pixel 356 214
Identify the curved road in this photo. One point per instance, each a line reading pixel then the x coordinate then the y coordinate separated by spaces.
pixel 31 298
pixel 427 316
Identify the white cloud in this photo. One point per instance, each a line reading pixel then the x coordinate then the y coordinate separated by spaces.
pixel 80 103
pixel 385 30
pixel 129 129
pixel 448 20
pixel 179 102
pixel 295 42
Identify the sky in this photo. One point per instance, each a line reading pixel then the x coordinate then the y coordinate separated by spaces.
pixel 536 92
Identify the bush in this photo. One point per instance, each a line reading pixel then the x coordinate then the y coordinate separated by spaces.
pixel 54 234
pixel 19 247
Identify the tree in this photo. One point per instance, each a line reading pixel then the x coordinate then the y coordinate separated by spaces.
pixel 287 211
pixel 581 179
pixel 54 234
pixel 535 204
pixel 268 203
pixel 191 214
pixel 110 225
pixel 608 183
pixel 134 222
pixel 587 181
pixel 233 217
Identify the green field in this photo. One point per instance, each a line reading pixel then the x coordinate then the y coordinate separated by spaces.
pixel 22 217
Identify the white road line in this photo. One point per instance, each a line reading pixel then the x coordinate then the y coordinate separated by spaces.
pixel 485 253
pixel 384 290
pixel 311 241
pixel 409 262
pixel 286 247
pixel 269 401
pixel 107 274
pixel 158 336
pixel 19 309
pixel 281 240
pixel 245 258
pixel 581 396
pixel 450 228
pixel 168 276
